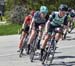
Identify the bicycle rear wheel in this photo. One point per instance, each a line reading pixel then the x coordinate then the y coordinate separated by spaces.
pixel 44 57
pixel 32 51
pixel 52 51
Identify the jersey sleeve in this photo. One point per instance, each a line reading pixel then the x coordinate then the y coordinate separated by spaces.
pixel 28 19
pixel 36 15
pixel 66 20
pixel 52 16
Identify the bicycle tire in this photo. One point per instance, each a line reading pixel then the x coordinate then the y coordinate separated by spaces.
pixel 44 57
pixel 32 51
pixel 54 48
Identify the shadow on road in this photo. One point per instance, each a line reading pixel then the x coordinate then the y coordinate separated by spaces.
pixel 37 55
pixel 60 63
pixel 70 39
pixel 72 63
pixel 68 36
pixel 64 63
pixel 72 33
pixel 63 57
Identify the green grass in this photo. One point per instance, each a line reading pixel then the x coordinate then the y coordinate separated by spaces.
pixel 9 29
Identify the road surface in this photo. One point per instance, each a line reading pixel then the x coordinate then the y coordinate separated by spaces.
pixel 64 56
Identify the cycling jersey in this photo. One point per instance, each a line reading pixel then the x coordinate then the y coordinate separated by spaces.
pixel 28 19
pixel 72 14
pixel 38 19
pixel 27 22
pixel 56 20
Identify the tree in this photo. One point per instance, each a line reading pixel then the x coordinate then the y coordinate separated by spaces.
pixel 52 5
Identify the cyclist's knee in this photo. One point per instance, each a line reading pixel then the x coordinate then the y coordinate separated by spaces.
pixel 47 37
pixel 33 33
pixel 45 41
pixel 57 36
pixel 32 36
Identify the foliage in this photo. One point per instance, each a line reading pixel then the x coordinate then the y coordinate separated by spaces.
pixel 9 29
pixel 17 9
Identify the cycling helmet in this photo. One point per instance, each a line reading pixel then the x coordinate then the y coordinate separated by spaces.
pixel 63 7
pixel 69 9
pixel 44 9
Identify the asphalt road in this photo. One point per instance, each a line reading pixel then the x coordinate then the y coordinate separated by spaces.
pixel 64 56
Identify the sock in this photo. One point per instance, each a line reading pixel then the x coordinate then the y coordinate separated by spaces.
pixel 56 41
pixel 42 50
pixel 38 44
pixel 28 46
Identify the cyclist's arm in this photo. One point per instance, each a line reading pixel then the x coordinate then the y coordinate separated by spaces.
pixel 51 17
pixel 65 22
pixel 31 25
pixel 23 25
pixel 47 26
pixel 33 19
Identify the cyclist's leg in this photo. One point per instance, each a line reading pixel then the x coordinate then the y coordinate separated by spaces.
pixel 49 31
pixel 40 31
pixel 72 22
pixel 31 38
pixel 21 40
pixel 24 33
pixel 40 35
pixel 65 31
pixel 58 35
pixel 44 41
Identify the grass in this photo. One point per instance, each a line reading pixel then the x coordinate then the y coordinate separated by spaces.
pixel 9 29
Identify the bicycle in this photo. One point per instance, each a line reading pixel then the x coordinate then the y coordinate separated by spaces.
pixel 49 52
pixel 71 26
pixel 64 34
pixel 33 46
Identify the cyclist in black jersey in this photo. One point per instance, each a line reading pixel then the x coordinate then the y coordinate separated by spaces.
pixel 38 22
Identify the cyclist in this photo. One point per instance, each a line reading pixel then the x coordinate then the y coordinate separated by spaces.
pixel 38 22
pixel 25 28
pixel 65 28
pixel 56 19
pixel 71 19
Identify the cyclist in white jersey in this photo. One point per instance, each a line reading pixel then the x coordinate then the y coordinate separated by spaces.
pixel 56 19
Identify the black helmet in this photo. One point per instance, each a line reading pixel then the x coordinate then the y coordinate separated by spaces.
pixel 69 9
pixel 63 7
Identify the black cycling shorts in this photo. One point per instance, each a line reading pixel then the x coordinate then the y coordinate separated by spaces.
pixel 36 25
pixel 52 28
pixel 26 28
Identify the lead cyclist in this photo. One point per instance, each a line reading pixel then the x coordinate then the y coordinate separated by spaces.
pixel 56 19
